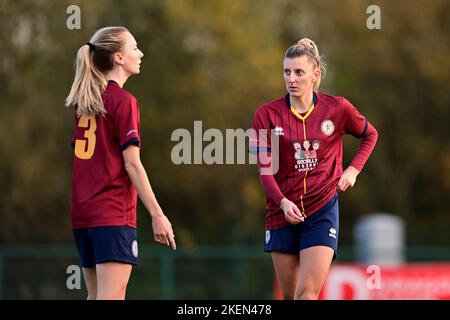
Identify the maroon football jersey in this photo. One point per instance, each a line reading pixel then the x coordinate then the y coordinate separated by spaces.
pixel 309 151
pixel 102 193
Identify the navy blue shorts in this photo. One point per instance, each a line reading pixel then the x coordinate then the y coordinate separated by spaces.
pixel 104 244
pixel 319 229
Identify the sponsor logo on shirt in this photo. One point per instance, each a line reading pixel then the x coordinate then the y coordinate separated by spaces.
pixel 306 155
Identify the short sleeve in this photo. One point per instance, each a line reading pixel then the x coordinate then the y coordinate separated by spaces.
pixel 354 122
pixel 127 123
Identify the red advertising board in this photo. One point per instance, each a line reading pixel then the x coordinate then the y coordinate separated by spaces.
pixel 430 281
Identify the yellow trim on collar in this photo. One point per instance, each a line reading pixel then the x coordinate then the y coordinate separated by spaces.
pixel 298 115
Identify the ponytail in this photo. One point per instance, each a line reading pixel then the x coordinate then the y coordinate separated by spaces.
pixel 93 60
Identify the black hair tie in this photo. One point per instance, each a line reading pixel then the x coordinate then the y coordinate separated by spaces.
pixel 91 46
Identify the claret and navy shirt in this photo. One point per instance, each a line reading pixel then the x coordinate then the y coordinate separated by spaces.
pixel 102 193
pixel 309 151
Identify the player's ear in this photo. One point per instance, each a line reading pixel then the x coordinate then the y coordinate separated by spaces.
pixel 118 58
pixel 317 73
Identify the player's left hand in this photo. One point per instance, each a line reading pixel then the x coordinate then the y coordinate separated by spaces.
pixel 162 230
pixel 348 179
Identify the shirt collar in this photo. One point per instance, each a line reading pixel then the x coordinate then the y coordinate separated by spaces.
pixel 288 101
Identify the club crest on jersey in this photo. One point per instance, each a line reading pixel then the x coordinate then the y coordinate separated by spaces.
pixel 279 131
pixel 327 127
pixel 305 156
pixel 267 236
pixel 134 248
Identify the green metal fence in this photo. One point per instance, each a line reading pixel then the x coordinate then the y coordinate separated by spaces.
pixel 206 272
pixel 39 272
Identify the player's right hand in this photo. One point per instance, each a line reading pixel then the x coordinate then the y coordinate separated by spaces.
pixel 291 211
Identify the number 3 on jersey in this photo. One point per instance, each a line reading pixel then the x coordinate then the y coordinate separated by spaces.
pixel 81 151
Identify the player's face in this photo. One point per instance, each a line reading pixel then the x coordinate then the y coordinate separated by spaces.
pixel 132 56
pixel 299 75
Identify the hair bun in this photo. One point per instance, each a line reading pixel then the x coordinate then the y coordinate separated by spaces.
pixel 308 44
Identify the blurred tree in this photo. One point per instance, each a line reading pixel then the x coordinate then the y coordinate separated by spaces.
pixel 397 76
pixel 216 61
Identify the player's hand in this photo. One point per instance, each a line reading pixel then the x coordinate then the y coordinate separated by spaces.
pixel 291 211
pixel 348 179
pixel 162 230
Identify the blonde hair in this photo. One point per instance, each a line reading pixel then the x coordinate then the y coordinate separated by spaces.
pixel 307 47
pixel 93 60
